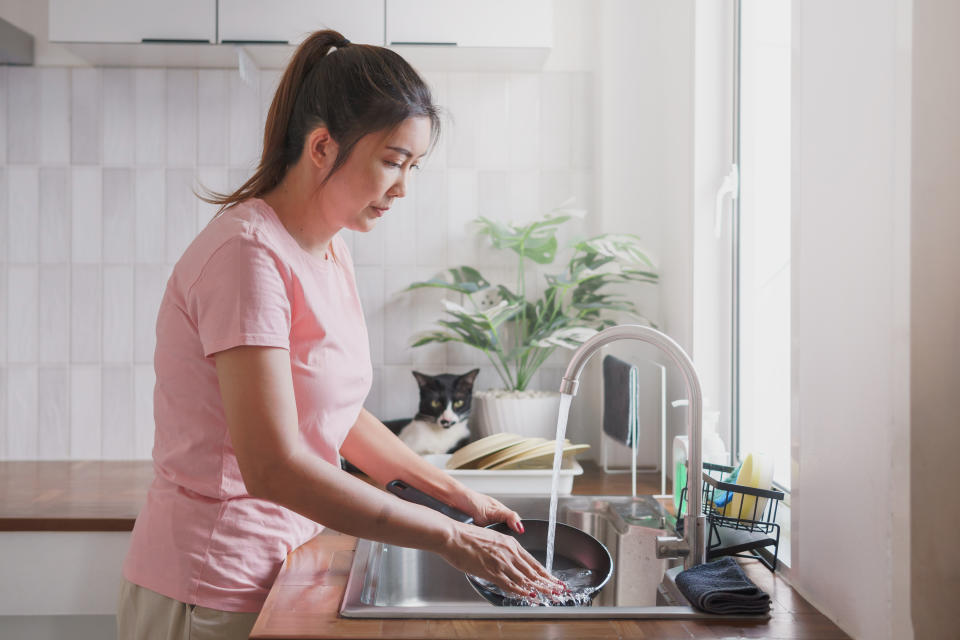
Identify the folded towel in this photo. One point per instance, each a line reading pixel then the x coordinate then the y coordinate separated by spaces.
pixel 722 587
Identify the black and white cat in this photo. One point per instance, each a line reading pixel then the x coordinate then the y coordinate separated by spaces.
pixel 440 425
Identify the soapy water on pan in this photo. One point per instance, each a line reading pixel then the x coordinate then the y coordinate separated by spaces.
pixel 580 586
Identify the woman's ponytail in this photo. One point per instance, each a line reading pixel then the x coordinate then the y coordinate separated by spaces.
pixel 351 89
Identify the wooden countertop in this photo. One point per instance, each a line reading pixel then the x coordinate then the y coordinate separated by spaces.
pixel 106 495
pixel 102 495
pixel 305 599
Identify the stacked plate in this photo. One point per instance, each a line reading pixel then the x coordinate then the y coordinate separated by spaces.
pixel 507 451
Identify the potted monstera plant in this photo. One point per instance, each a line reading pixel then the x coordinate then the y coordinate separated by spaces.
pixel 517 330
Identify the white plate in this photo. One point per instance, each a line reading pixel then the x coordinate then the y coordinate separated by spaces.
pixel 528 481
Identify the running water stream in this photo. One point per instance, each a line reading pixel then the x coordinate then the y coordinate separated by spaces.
pixel 565 400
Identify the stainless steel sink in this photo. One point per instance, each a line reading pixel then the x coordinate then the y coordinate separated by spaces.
pixel 395 582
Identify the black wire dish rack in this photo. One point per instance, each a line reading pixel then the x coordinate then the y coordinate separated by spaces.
pixel 744 525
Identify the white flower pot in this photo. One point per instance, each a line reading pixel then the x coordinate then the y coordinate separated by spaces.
pixel 532 414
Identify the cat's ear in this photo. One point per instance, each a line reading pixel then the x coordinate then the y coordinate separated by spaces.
pixel 422 378
pixel 468 378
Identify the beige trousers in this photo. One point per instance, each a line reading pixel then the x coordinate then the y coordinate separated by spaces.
pixel 143 614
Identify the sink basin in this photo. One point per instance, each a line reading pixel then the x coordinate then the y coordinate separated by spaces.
pixel 395 582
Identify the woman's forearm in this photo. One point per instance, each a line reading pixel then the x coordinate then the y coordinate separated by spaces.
pixel 317 490
pixel 375 450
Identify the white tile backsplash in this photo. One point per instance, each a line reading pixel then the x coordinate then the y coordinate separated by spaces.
pixel 54 318
pixel 370 286
pixel 400 314
pixel 119 217
pixel 23 328
pixel 86 292
pixel 181 100
pixel 212 129
pixel 23 123
pixel 85 412
pixel 4 202
pixel 97 172
pixel 54 115
pixel 3 409
pixel 3 114
pixel 22 414
pixel 181 212
pixel 55 203
pixel 216 179
pixel 118 114
pixel 149 285
pixel 4 305
pixel 53 428
pixel 143 381
pixel 369 247
pixel 150 220
pixel 555 121
pixel 118 430
pixel 430 210
pixel 461 133
pixel 85 95
pixel 150 118
pixel 23 213
pixel 399 227
pixel 86 196
pixel 117 322
pixel 244 123
pixel 523 121
pixel 492 136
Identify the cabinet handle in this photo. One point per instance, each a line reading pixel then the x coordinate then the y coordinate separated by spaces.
pixel 173 41
pixel 395 43
pixel 254 42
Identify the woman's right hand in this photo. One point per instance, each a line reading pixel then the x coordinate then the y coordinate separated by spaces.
pixel 499 559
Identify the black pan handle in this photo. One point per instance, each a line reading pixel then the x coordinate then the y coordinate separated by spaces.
pixel 408 493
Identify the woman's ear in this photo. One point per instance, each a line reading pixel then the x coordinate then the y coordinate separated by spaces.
pixel 322 148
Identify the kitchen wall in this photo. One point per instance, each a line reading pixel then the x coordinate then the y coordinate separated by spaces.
pixel 97 168
pixel 934 570
pixel 850 302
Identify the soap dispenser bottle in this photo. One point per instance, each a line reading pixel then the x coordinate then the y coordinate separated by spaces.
pixel 713 449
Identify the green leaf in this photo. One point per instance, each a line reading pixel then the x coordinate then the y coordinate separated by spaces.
pixel 465 280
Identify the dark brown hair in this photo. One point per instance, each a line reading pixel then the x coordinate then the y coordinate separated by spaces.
pixel 352 89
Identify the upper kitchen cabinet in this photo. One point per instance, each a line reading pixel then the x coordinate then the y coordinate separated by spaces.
pixel 478 34
pixel 290 21
pixel 133 21
pixel 470 23
pixel 130 33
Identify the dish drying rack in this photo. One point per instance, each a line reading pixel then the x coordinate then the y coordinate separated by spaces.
pixel 742 527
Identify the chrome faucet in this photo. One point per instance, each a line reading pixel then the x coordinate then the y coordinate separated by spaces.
pixel 692 545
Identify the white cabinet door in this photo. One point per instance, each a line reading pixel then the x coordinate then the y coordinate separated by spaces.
pixel 471 23
pixel 130 21
pixel 290 21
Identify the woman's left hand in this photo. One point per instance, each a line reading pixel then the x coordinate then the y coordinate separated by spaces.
pixel 486 510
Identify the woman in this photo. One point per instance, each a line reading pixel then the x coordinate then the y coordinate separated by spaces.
pixel 263 365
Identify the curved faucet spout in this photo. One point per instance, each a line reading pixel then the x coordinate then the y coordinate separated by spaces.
pixel 694 524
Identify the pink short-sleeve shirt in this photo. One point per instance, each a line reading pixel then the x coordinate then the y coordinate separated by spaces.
pixel 201 538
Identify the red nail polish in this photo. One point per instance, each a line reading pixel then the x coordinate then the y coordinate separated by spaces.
pixel 520 526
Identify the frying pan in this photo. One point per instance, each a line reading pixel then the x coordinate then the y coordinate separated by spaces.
pixel 573 549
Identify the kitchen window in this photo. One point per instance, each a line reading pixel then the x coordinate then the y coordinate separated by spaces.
pixel 761 406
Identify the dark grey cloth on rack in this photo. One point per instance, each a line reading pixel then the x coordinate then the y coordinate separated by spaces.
pixel 616 399
pixel 722 587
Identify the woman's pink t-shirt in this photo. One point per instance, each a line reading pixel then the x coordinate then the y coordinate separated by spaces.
pixel 201 538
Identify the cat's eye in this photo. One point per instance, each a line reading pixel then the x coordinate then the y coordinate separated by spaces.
pixel 435 404
pixel 457 404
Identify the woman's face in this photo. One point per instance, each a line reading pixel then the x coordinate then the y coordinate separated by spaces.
pixel 375 174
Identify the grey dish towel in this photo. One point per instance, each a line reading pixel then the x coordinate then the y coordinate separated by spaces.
pixel 722 587
pixel 616 399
